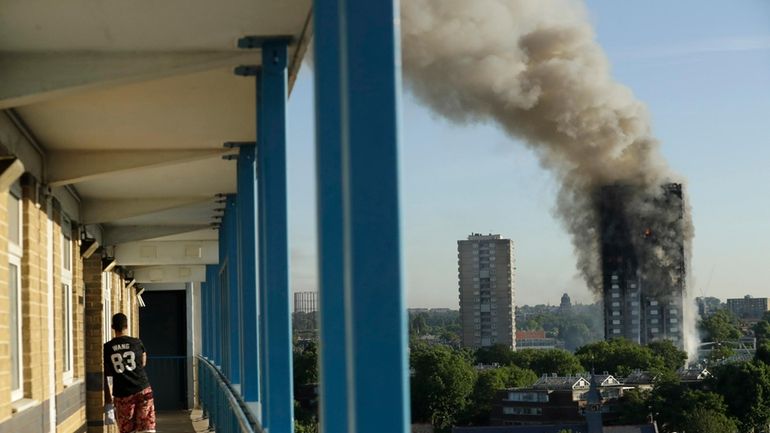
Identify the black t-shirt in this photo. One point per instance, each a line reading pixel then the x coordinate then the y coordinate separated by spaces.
pixel 123 361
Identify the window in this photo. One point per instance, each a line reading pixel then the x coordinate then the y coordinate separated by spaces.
pixel 616 331
pixel 654 330
pixel 616 304
pixel 66 286
pixel 654 312
pixel 615 294
pixel 616 322
pixel 15 252
pixel 522 410
pixel 527 396
pixel 674 320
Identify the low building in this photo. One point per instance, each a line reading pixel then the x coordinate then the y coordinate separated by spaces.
pixel 748 309
pixel 534 340
pixel 552 399
pixel 555 404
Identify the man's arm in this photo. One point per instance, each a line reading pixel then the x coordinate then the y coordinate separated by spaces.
pixel 107 391
pixel 107 372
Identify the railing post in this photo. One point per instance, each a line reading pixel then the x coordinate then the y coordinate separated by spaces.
pixel 278 403
pixel 247 270
pixel 361 79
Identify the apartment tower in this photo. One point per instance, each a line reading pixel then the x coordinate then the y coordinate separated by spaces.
pixel 485 268
pixel 305 302
pixel 643 298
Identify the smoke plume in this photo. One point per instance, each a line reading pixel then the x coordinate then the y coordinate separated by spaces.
pixel 533 67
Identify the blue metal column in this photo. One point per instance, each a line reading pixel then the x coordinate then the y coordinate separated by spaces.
pixel 204 318
pixel 262 301
pixel 214 298
pixel 223 324
pixel 333 404
pixel 209 307
pixel 247 271
pixel 369 91
pixel 233 293
pixel 278 403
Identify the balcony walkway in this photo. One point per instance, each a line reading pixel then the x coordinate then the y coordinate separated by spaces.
pixel 181 422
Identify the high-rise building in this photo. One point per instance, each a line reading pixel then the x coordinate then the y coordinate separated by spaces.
pixel 485 268
pixel 643 267
pixel 305 302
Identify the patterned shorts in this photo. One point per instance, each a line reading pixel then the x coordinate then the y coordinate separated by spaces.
pixel 135 413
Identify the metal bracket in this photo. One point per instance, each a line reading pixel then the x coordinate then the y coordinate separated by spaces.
pixel 229 157
pixel 234 144
pixel 253 42
pixel 246 70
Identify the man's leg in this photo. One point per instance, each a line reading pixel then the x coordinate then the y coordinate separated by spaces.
pixel 124 413
pixel 145 412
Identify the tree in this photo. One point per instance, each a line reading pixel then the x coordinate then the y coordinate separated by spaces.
pixel 675 405
pixel 762 328
pixel 305 421
pixel 763 351
pixel 701 420
pixel 420 324
pixel 633 407
pixel 618 357
pixel 746 389
pixel 720 326
pixel 488 384
pixel 549 361
pixel 516 377
pixel 306 365
pixel 672 358
pixel 496 354
pixel 441 385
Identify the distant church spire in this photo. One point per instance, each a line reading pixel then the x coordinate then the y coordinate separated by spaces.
pixel 593 409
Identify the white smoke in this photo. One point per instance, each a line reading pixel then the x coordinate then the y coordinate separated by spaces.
pixel 534 68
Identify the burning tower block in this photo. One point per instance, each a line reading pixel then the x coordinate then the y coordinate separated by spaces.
pixel 643 262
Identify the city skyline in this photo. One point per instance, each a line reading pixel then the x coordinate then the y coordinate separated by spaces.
pixel 707 88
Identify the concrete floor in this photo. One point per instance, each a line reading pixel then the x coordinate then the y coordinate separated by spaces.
pixel 181 422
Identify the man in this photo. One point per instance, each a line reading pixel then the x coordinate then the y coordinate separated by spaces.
pixel 124 361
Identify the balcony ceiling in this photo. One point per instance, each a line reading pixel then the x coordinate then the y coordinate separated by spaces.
pixel 143 79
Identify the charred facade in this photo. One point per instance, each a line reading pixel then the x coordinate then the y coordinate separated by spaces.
pixel 643 262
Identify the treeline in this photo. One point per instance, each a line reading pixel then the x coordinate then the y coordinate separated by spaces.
pixel 448 388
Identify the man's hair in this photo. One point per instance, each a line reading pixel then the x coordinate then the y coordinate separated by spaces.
pixel 119 322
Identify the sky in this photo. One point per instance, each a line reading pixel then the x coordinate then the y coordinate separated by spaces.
pixel 703 69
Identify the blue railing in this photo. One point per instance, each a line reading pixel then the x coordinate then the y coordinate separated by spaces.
pixel 226 411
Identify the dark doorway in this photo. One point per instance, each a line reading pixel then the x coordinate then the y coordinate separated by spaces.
pixel 163 330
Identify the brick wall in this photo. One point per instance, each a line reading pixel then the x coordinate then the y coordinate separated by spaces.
pixel 5 336
pixel 34 306
pixel 34 301
pixel 84 392
pixel 94 339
